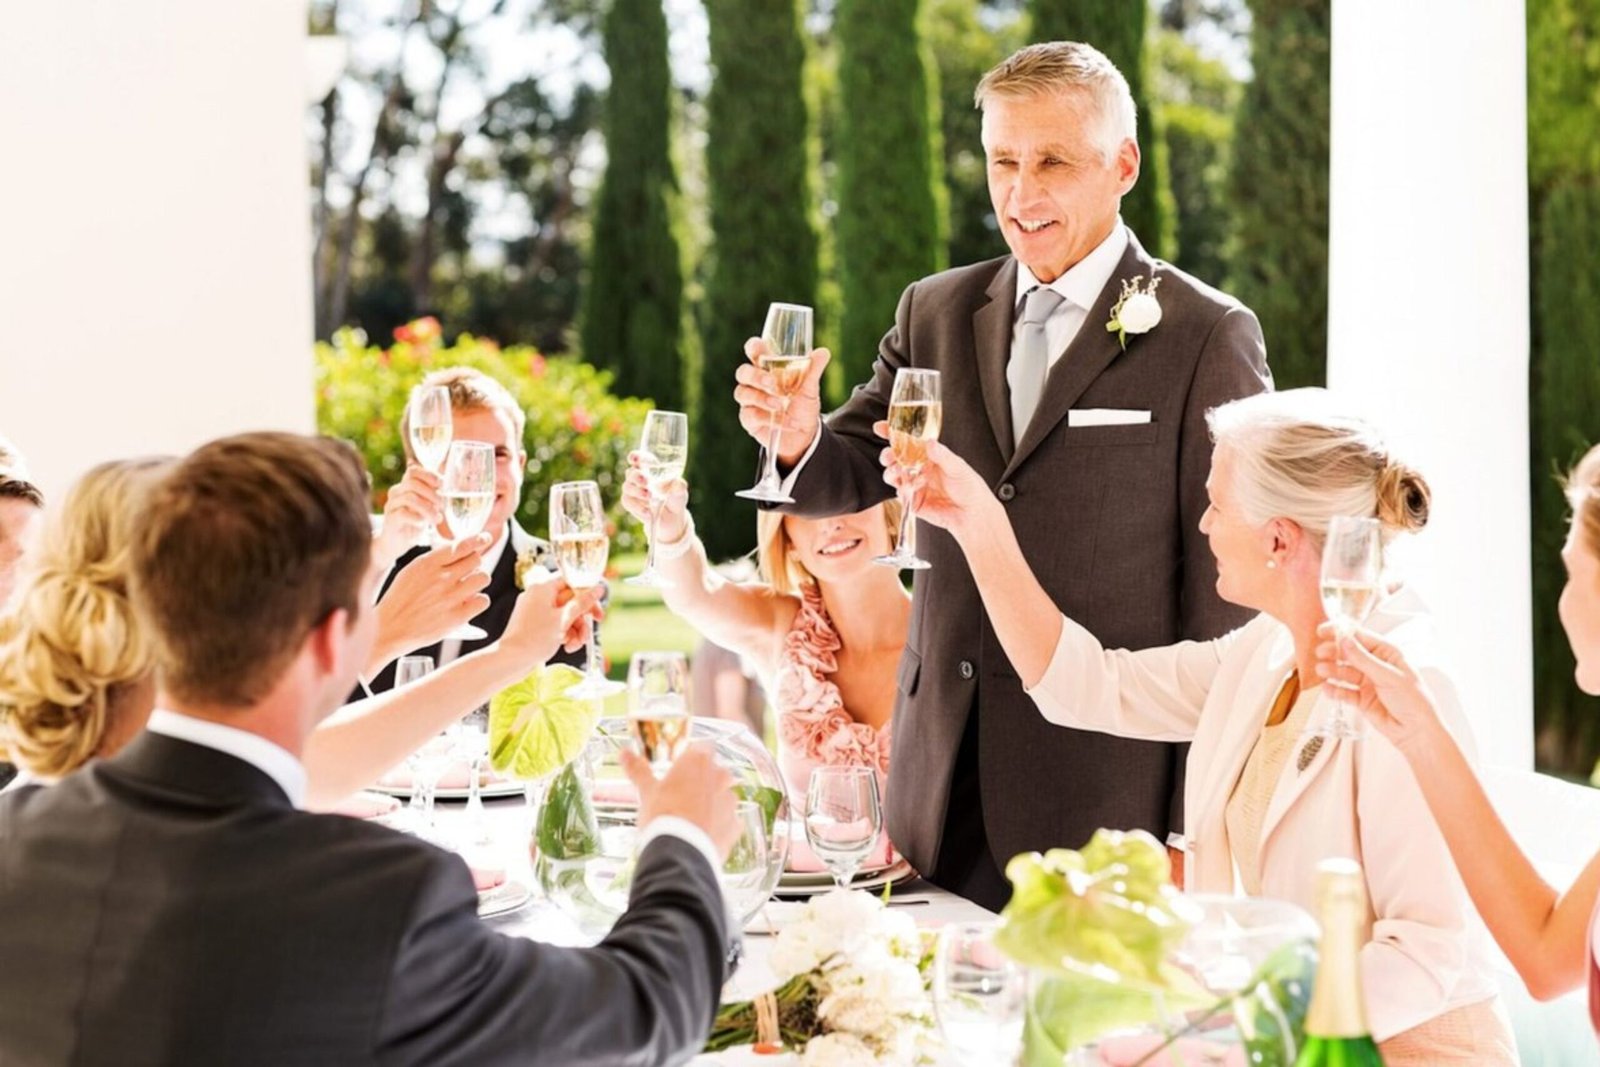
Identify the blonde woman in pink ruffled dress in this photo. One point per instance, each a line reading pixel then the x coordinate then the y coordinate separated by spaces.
pixel 824 626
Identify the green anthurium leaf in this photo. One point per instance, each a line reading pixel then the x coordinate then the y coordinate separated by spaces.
pixel 769 798
pixel 568 828
pixel 535 728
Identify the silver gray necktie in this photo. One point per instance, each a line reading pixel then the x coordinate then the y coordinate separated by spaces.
pixel 1028 369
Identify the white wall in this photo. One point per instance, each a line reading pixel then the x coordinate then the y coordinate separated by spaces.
pixel 1428 309
pixel 154 262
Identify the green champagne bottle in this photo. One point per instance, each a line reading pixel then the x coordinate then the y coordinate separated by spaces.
pixel 1336 1023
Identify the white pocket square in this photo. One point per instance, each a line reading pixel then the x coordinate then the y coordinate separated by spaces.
pixel 1106 417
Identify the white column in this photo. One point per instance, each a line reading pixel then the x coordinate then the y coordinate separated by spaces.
pixel 154 268
pixel 1428 312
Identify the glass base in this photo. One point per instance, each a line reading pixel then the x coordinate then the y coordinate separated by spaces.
pixel 905 563
pixel 766 494
pixel 595 688
pixel 648 579
pixel 468 632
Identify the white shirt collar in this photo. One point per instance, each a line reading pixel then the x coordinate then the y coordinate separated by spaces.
pixel 1083 282
pixel 276 763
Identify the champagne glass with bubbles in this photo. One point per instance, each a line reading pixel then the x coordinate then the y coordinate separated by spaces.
pixel 582 545
pixel 787 334
pixel 916 414
pixel 663 450
pixel 468 499
pixel 1352 569
pixel 843 818
pixel 658 706
pixel 429 425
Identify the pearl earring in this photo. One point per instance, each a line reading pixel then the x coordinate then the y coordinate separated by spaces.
pixel 1272 564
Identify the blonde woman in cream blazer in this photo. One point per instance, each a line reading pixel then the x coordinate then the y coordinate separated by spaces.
pixel 1284 465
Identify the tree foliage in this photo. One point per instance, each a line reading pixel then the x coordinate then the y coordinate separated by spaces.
pixel 1119 29
pixel 763 237
pixel 891 195
pixel 1198 99
pixel 1279 185
pixel 633 309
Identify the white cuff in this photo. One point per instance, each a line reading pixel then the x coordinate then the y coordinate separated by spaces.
pixel 789 479
pixel 685 831
pixel 681 544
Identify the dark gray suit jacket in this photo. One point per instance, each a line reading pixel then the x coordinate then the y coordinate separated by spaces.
pixel 169 906
pixel 1107 516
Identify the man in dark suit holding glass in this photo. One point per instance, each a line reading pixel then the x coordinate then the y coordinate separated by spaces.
pixel 1086 414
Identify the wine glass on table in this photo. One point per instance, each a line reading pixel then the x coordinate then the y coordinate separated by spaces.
pixel 1352 568
pixel 663 450
pixel 787 334
pixel 582 545
pixel 470 737
pixel 424 770
pixel 979 995
pixel 468 500
pixel 658 706
pixel 915 416
pixel 429 424
pixel 744 872
pixel 844 818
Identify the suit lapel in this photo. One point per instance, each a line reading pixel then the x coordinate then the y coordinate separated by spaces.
pixel 1243 727
pixel 1090 353
pixel 991 332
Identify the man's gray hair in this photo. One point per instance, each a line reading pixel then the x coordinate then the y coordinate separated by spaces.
pixel 1069 66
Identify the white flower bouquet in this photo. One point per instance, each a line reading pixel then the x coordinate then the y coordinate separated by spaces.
pixel 853 989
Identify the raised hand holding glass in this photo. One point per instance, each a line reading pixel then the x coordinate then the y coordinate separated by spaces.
pixel 916 415
pixel 1352 569
pixel 663 449
pixel 582 546
pixel 787 334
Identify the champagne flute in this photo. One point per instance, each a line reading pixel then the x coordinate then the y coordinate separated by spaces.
pixel 979 995
pixel 915 416
pixel 470 736
pixel 468 500
pixel 419 809
pixel 787 334
pixel 429 423
pixel 578 532
pixel 843 818
pixel 658 706
pixel 1352 566
pixel 663 448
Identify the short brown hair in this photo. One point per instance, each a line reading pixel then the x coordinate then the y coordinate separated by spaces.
pixel 13 488
pixel 470 390
pixel 1064 67
pixel 1583 493
pixel 248 544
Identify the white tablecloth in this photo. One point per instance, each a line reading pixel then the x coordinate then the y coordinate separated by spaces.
pixel 930 906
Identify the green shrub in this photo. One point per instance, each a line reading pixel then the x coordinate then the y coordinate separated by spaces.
pixel 576 428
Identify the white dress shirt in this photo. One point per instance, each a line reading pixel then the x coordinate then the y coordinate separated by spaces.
pixel 1081 286
pixel 277 763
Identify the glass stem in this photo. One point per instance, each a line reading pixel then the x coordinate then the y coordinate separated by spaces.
pixel 591 665
pixel 774 435
pixel 475 814
pixel 906 545
pixel 650 551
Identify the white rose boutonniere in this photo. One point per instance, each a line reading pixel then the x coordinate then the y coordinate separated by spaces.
pixel 1136 311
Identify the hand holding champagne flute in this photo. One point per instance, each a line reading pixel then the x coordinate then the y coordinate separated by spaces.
pixel 663 451
pixel 787 358
pixel 658 706
pixel 578 532
pixel 468 499
pixel 916 415
pixel 1352 567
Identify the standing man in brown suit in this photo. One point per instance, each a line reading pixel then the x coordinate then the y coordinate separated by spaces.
pixel 1094 438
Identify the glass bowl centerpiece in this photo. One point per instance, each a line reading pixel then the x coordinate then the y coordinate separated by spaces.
pixel 585 834
pixel 1125 970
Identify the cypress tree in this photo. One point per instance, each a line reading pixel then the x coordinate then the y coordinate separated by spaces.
pixel 891 192
pixel 1117 28
pixel 764 240
pixel 1279 187
pixel 1566 421
pixel 633 309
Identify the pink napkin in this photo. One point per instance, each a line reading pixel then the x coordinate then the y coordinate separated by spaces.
pixel 803 860
pixel 616 791
pixel 484 878
pixel 365 805
pixel 456 776
pixel 1189 1052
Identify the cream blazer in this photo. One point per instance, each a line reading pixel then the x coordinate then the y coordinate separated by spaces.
pixel 1429 953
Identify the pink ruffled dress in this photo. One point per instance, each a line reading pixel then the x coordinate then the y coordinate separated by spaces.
pixel 814 729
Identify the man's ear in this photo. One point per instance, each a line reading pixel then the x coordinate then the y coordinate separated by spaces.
pixel 327 639
pixel 1128 162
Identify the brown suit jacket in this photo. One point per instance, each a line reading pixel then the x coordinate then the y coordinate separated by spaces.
pixel 1108 517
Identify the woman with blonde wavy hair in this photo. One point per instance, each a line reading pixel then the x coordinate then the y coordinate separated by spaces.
pixel 824 626
pixel 1265 801
pixel 76 665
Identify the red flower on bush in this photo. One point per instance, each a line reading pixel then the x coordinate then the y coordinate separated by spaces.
pixel 423 331
pixel 536 365
pixel 581 420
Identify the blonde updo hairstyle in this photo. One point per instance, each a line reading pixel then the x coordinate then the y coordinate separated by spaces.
pixel 1298 455
pixel 71 650
pixel 776 560
pixel 1583 495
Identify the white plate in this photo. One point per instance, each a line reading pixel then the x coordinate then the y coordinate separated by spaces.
pixel 488 791
pixel 804 883
pixel 507 896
